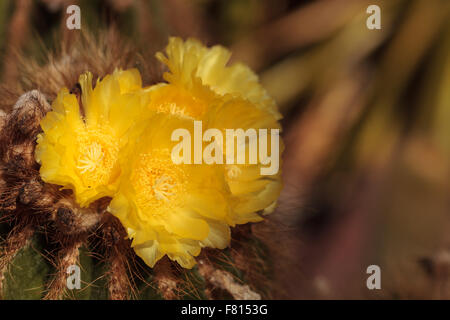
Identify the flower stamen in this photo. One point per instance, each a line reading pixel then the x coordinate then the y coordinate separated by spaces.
pixel 92 159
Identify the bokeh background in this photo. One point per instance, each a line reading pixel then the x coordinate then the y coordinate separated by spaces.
pixel 366 124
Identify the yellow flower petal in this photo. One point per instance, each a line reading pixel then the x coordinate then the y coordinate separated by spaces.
pixel 183 225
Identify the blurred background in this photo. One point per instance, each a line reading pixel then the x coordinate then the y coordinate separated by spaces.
pixel 366 124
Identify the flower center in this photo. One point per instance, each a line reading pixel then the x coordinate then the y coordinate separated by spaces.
pixel 158 181
pixel 89 161
pixel 162 187
pixel 97 158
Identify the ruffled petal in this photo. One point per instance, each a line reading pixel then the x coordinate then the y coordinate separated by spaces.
pixel 190 60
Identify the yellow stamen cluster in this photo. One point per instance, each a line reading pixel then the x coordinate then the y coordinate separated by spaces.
pixel 98 154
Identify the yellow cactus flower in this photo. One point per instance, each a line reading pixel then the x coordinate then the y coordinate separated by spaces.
pixel 80 145
pixel 202 86
pixel 168 208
